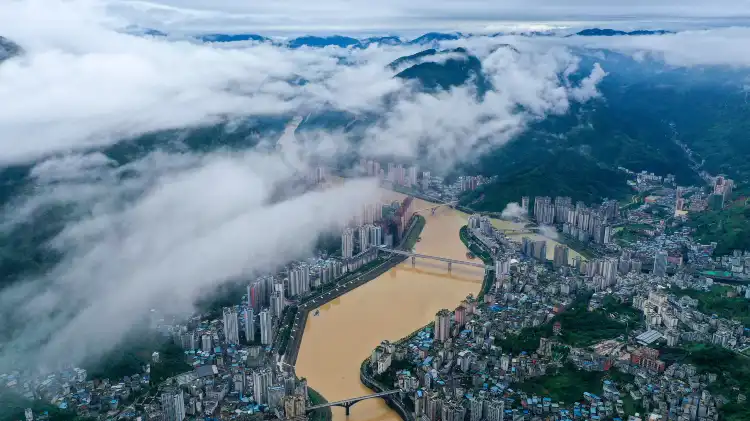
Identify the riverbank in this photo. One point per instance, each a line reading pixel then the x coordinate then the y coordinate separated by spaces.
pixel 479 250
pixel 324 414
pixel 346 330
pixel 395 401
pixel 348 283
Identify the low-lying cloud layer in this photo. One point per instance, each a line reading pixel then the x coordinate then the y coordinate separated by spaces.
pixel 163 230
pixel 196 222
pixel 715 47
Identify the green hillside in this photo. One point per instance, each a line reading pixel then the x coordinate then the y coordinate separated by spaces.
pixel 456 70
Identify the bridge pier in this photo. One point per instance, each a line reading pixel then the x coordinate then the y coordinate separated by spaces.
pixel 450 266
pixel 413 261
pixel 346 408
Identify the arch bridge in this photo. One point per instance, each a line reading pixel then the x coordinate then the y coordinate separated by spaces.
pixel 518 231
pixel 450 262
pixel 348 403
pixel 435 207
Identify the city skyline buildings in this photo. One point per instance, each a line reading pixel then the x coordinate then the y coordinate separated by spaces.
pixel 173 405
pixel 262 380
pixel 660 263
pixel 231 326
pixel 442 325
pixel 347 243
pixel 249 325
pixel 266 327
pixel 299 280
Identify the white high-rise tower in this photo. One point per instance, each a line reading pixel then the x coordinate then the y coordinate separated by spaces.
pixel 231 326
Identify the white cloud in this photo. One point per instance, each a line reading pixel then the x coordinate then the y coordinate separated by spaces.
pixel 201 223
pixel 588 87
pixel 713 47
pixel 514 210
pixel 81 84
pixel 454 126
pixel 178 225
pixel 549 231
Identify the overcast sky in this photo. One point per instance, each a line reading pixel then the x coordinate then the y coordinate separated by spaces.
pixel 301 16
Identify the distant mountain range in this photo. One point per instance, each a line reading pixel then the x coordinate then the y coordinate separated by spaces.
pixel 8 49
pixel 597 32
pixel 430 39
pixel 647 113
pixel 645 108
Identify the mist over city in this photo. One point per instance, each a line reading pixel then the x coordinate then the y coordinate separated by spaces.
pixel 196 184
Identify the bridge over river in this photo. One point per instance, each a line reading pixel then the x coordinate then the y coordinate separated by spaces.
pixel 348 403
pixel 450 262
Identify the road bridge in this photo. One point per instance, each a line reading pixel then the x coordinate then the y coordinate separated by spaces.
pixel 435 207
pixel 348 403
pixel 450 262
pixel 517 231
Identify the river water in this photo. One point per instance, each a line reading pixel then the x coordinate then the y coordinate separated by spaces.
pixel 390 307
pixel 510 225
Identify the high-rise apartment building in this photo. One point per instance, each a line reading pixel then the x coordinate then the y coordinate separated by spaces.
pixel 266 327
pixel 476 406
pixel 364 238
pixel 434 407
pixel 540 250
pixel 255 295
pixel 277 298
pixel 412 177
pixel 189 341
pixel 561 256
pixel 206 343
pixel 277 303
pixel 425 180
pixel 660 263
pixel 299 280
pixel 442 325
pixel 453 411
pixel 609 271
pixel 250 325
pixel 294 406
pixel 173 405
pixel 347 244
pixel 502 268
pixel 459 315
pixel 495 409
pixel 371 213
pixel 231 326
pixel 262 380
pixel 376 235
pixel 544 210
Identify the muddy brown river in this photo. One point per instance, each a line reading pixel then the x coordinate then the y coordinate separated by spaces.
pixel 391 306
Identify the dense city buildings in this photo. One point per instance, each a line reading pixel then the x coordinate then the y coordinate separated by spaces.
pixel 442 325
pixel 249 326
pixel 173 405
pixel 231 326
pixel 347 244
pixel 548 337
pixel 540 319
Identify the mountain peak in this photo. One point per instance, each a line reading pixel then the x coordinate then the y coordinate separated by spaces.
pixel 456 69
pixel 8 49
pixel 316 41
pixel 432 37
pixel 231 37
pixel 606 32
